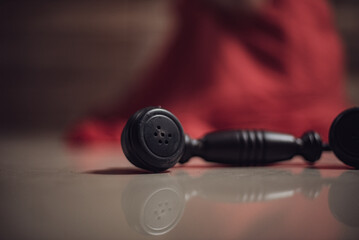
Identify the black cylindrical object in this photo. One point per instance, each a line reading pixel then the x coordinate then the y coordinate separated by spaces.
pixel 153 139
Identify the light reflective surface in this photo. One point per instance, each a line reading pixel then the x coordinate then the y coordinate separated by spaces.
pixel 51 192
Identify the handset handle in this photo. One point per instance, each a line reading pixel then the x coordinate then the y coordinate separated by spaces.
pixel 256 147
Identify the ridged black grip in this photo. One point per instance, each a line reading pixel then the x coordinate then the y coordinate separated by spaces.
pixel 247 147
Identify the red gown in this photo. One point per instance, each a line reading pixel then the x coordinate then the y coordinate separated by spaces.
pixel 279 69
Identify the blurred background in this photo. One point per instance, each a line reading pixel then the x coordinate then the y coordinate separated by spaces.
pixel 61 59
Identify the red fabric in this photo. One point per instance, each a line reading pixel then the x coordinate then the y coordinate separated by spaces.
pixel 279 69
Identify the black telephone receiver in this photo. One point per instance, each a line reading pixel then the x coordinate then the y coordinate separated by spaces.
pixel 153 139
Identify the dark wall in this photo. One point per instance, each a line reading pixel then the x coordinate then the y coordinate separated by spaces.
pixel 347 16
pixel 59 59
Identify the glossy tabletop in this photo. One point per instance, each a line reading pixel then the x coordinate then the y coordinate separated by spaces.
pixel 49 191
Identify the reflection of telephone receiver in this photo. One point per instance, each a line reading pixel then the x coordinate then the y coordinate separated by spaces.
pixel 155 204
pixel 153 139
